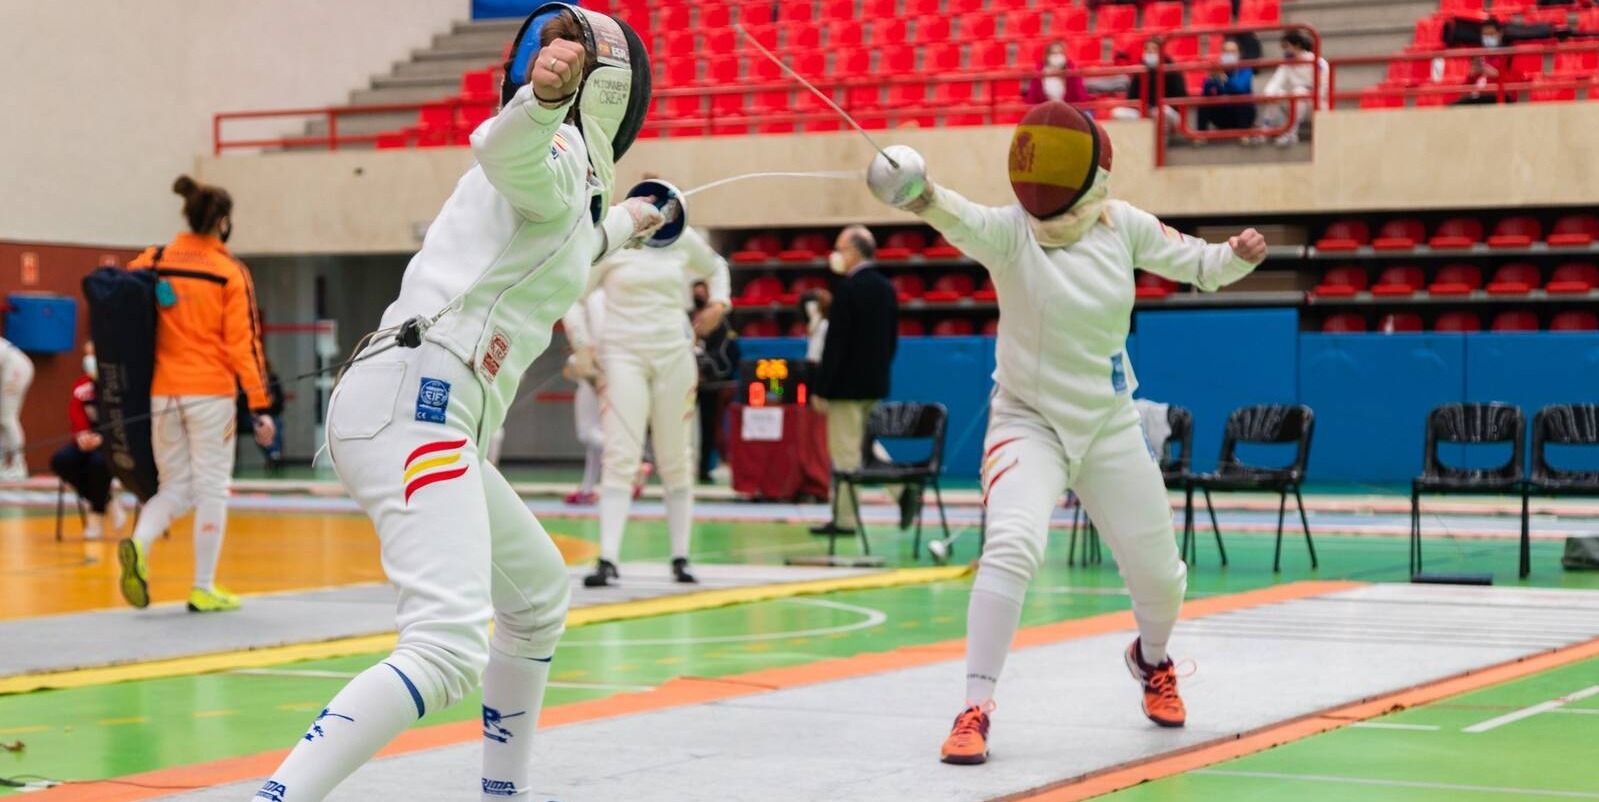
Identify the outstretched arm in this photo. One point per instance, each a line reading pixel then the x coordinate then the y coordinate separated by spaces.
pixel 988 234
pixel 1167 252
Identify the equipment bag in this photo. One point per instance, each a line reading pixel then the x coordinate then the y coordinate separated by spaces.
pixel 1582 554
pixel 122 323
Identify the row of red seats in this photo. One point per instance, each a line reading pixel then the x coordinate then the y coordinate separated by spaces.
pixel 1405 233
pixel 1516 278
pixel 908 327
pixel 810 247
pixel 1459 321
pixel 662 16
pixel 769 290
pixel 1527 65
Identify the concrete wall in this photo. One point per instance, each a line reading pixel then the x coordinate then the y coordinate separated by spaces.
pixel 1482 157
pixel 108 100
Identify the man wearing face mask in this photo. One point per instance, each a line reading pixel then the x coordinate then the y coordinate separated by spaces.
pixel 862 335
pixel 1228 79
pixel 1062 415
pixel 1172 85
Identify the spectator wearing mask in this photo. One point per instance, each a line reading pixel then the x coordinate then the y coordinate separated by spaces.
pixel 1172 85
pixel 1293 79
pixel 80 463
pixel 862 335
pixel 1228 79
pixel 16 374
pixel 1487 72
pixel 1053 82
pixel 717 351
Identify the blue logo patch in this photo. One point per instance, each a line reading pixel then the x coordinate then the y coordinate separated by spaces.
pixel 272 791
pixel 432 400
pixel 492 728
pixel 316 726
pixel 498 787
pixel 1118 374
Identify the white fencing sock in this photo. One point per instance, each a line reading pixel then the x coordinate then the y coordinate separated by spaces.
pixel 376 706
pixel 513 691
pixel 680 519
pixel 992 615
pixel 593 459
pixel 614 505
pixel 210 519
pixel 154 518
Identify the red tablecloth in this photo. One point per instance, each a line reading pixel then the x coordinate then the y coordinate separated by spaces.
pixel 793 464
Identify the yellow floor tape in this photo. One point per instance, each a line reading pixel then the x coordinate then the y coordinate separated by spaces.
pixel 367 644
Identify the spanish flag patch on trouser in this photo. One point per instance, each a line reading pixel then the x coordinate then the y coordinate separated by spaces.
pixel 433 463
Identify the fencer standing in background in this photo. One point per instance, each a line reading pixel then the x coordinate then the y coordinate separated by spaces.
pixel 1062 414
pixel 16 373
pixel 585 326
pixel 650 375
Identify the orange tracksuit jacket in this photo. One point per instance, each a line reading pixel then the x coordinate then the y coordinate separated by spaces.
pixel 212 335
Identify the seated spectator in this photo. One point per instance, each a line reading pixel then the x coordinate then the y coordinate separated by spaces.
pixel 81 463
pixel 1227 79
pixel 1174 85
pixel 1487 72
pixel 1052 82
pixel 1293 79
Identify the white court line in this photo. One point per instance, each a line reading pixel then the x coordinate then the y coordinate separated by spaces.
pixel 1382 725
pixel 872 617
pixel 1528 712
pixel 295 672
pixel 1323 778
pixel 1578 710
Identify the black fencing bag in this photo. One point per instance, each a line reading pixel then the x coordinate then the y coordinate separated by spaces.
pixel 1582 554
pixel 122 318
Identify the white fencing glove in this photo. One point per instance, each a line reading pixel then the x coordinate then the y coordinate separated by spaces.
pixel 902 187
pixel 646 219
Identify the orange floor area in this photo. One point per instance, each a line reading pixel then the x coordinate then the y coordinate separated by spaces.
pixel 264 552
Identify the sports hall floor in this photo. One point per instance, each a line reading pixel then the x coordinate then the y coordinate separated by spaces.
pixel 774 683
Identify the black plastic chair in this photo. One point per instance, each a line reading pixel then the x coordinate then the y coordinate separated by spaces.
pixel 1268 424
pixel 1472 424
pixel 897 421
pixel 1174 458
pixel 1565 425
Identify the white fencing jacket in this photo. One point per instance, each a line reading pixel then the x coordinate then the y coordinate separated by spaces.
pixel 1064 313
pixel 646 293
pixel 511 249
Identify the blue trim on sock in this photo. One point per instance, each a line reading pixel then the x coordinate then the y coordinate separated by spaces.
pixel 542 659
pixel 416 696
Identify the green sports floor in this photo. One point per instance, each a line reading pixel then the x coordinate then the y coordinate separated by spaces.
pixel 109 731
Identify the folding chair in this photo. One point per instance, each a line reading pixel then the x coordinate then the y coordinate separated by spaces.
pixel 1472 424
pixel 1266 424
pixel 897 421
pixel 1565 425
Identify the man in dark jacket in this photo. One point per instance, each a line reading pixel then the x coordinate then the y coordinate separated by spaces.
pixel 862 334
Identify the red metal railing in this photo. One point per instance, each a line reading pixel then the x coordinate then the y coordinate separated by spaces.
pixel 1503 88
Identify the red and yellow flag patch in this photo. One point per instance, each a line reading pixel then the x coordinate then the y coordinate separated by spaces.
pixel 433 463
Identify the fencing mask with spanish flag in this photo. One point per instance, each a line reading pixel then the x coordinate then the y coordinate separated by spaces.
pixel 1060 170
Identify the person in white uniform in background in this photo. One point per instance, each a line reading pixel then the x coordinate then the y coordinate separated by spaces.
pixel 584 325
pixel 16 373
pixel 646 361
pixel 1062 414
pixel 505 258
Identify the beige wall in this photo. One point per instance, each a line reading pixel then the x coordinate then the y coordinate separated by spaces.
pixel 108 100
pixel 1488 157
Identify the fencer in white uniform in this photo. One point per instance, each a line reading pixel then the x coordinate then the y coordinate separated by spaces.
pixel 16 374
pixel 646 362
pixel 505 258
pixel 1062 413
pixel 586 324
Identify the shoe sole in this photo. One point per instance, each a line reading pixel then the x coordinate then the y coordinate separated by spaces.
pixel 194 609
pixel 965 760
pixel 1138 674
pixel 134 587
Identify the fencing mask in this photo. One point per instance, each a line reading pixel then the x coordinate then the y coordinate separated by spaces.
pixel 613 97
pixel 1060 163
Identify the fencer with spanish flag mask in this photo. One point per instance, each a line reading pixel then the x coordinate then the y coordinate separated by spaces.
pixel 505 258
pixel 1062 415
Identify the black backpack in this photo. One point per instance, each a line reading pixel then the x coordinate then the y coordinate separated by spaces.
pixel 122 324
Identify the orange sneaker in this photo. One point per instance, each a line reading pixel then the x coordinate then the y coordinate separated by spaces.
pixel 967 744
pixel 1162 704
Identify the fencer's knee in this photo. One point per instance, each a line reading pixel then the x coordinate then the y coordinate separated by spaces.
pixel 1012 550
pixel 534 632
pixel 443 666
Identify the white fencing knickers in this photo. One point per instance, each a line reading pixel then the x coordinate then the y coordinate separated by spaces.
pixel 647 391
pixel 457 542
pixel 1025 472
pixel 16 374
pixel 194 441
pixel 590 432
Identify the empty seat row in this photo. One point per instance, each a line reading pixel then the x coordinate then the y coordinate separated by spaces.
pixel 908 327
pixel 1515 278
pixel 1460 321
pixel 1516 231
pixel 769 290
pixel 808 247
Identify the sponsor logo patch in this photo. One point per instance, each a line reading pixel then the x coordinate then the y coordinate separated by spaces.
pixel 493 728
pixel 498 787
pixel 432 400
pixel 316 730
pixel 273 791
pixel 494 355
pixel 432 463
pixel 1118 374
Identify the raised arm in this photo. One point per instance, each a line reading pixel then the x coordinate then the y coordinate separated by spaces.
pixel 989 234
pixel 1167 252
pixel 514 149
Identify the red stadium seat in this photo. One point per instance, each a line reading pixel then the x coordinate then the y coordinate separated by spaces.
pixel 714 15
pixel 901 245
pixel 990 327
pixel 1086 51
pixel 895 60
pixel 1588 20
pixel 1410 72
pixel 1516 232
pixel 479 86
pixel 988 55
pixel 973 27
pixel 1341 282
pixel 941 249
pixel 1461 6
pixel 1515 320
pixel 986 293
pixel 1458 322
pixel 474 114
pixel 920 8
pixel 1574 229
pixel 760 327
pixel 842 10
pixel 1343 323
pixel 1516 278
pixel 933 28
pixel 805 284
pixel 680 71
pixel 794 12
pixel 1399 323
pixel 909 101
pixel 758 248
pixel 911 327
pixel 879 9
pixel 889 31
pixel 908 286
pixel 1399 280
pixel 1024 23
pixel 1402 234
pixel 1260 12
pixel 842 35
pixel 1572 278
pixel 806 247
pixel 760 291
pixel 1574 320
pixel 1149 285
pixel 954 327
pixel 1429 33
pixel 1457 232
pixel 1164 15
pixel 798 328
pixel 803 36
pixel 721 41
pixel 1115 18
pixel 951 287
pixel 672 18
pixel 942 58
pixel 1211 14
pixel 1067 20
pixel 1377 97
pixel 1456 279
pixel 1344 235
pixel 964 6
